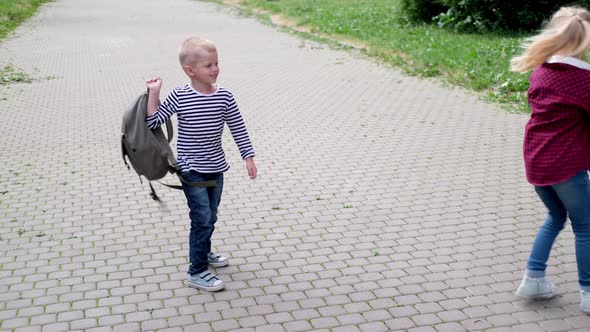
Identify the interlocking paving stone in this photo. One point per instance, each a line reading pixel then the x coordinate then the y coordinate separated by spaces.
pixel 384 202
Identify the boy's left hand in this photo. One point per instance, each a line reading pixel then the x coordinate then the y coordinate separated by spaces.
pixel 251 167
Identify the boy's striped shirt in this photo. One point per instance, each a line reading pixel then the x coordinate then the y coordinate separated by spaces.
pixel 200 126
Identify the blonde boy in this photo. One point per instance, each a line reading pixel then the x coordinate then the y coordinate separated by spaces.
pixel 202 108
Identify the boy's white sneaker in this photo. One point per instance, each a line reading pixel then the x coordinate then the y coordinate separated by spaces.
pixel 585 301
pixel 537 289
pixel 216 260
pixel 204 280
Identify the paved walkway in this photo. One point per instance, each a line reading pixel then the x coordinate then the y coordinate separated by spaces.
pixel 384 202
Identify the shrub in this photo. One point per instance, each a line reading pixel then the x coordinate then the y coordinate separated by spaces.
pixel 487 15
pixel 421 10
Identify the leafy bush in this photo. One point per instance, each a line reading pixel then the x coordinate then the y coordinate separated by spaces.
pixel 421 10
pixel 486 15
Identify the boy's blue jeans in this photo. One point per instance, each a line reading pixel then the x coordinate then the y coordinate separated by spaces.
pixel 203 203
pixel 572 198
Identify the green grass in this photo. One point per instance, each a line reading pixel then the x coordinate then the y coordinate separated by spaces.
pixel 476 62
pixel 14 12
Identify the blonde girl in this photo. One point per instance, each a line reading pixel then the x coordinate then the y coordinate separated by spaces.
pixel 557 143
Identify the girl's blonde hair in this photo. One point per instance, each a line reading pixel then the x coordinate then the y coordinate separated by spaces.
pixel 188 50
pixel 567 34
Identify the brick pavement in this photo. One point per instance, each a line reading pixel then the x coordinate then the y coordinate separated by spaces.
pixel 384 202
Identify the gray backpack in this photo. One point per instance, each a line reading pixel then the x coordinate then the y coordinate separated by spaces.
pixel 148 150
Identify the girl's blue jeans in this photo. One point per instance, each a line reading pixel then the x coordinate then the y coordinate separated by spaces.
pixel 570 198
pixel 203 203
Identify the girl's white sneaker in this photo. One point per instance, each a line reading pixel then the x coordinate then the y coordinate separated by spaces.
pixel 585 301
pixel 537 289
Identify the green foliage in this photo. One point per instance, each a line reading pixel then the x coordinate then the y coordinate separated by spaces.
pixel 421 10
pixel 14 12
pixel 478 62
pixel 487 15
pixel 355 18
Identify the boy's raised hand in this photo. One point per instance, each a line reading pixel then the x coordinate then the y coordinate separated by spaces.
pixel 251 167
pixel 154 84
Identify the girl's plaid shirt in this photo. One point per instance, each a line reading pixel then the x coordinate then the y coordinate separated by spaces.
pixel 557 136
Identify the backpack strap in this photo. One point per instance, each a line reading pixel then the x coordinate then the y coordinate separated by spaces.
pixel 174 169
pixel 155 196
pixel 198 184
pixel 169 130
pixel 189 184
pixel 124 151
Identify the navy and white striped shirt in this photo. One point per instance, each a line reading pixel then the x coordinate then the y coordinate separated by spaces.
pixel 200 126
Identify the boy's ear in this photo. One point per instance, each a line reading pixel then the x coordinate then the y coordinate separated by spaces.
pixel 188 70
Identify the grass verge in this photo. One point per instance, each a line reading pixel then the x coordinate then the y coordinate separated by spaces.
pixel 14 12
pixel 476 62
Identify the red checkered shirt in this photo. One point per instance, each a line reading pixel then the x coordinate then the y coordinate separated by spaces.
pixel 557 136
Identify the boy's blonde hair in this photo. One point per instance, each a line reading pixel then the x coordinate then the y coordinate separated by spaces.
pixel 567 34
pixel 188 50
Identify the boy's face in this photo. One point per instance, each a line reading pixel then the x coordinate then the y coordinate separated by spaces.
pixel 205 69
